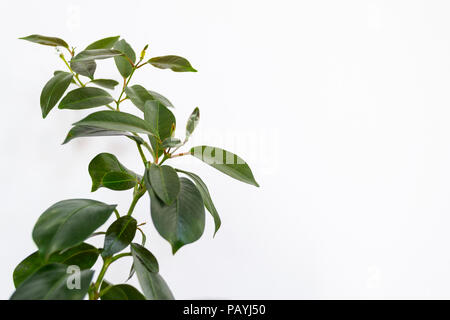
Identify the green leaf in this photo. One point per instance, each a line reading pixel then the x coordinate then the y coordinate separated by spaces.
pixel 146 266
pixel 160 119
pixel 105 83
pixel 226 162
pixel 139 95
pixel 192 122
pixel 47 41
pixel 59 71
pixel 96 54
pixel 118 181
pixel 145 257
pixel 122 63
pixel 175 63
pixel 119 121
pixel 120 292
pixel 159 97
pixel 51 282
pixel 53 91
pixel 203 189
pixel 183 221
pixel 164 181
pixel 83 255
pixel 119 235
pixel 85 68
pixel 106 171
pixel 89 131
pixel 106 43
pixel 171 143
pixel 68 223
pixel 85 98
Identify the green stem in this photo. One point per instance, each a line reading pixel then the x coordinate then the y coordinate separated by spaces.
pixel 144 159
pixel 136 198
pixel 81 84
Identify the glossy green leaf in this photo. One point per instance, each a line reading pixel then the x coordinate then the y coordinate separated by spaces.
pixel 96 54
pixel 68 223
pixel 226 162
pixel 183 221
pixel 139 95
pixel 119 121
pixel 85 98
pixel 120 292
pixel 160 119
pixel 83 255
pixel 119 235
pixel 106 171
pixel 51 282
pixel 106 43
pixel 47 41
pixel 192 122
pixel 53 91
pixel 145 257
pixel 85 68
pixel 159 97
pixel 59 71
pixel 164 181
pixel 105 83
pixel 123 65
pixel 89 131
pixel 203 189
pixel 171 143
pixel 175 63
pixel 146 266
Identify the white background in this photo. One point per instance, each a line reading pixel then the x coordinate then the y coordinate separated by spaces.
pixel 341 108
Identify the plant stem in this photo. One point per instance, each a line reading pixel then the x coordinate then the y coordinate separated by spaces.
pixel 136 198
pixel 102 273
pixel 81 84
pixel 144 159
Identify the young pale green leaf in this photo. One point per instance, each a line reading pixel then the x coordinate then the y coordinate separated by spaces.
pixel 105 164
pixel 226 162
pixel 53 91
pixel 139 95
pixel 85 98
pixel 203 189
pixel 119 235
pixel 120 292
pixel 106 43
pixel 47 41
pixel 50 282
pixel 83 255
pixel 89 131
pixel 105 83
pixel 119 121
pixel 171 143
pixel 96 54
pixel 123 64
pixel 146 266
pixel 145 257
pixel 175 63
pixel 192 122
pixel 182 222
pixel 85 68
pixel 68 223
pixel 164 181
